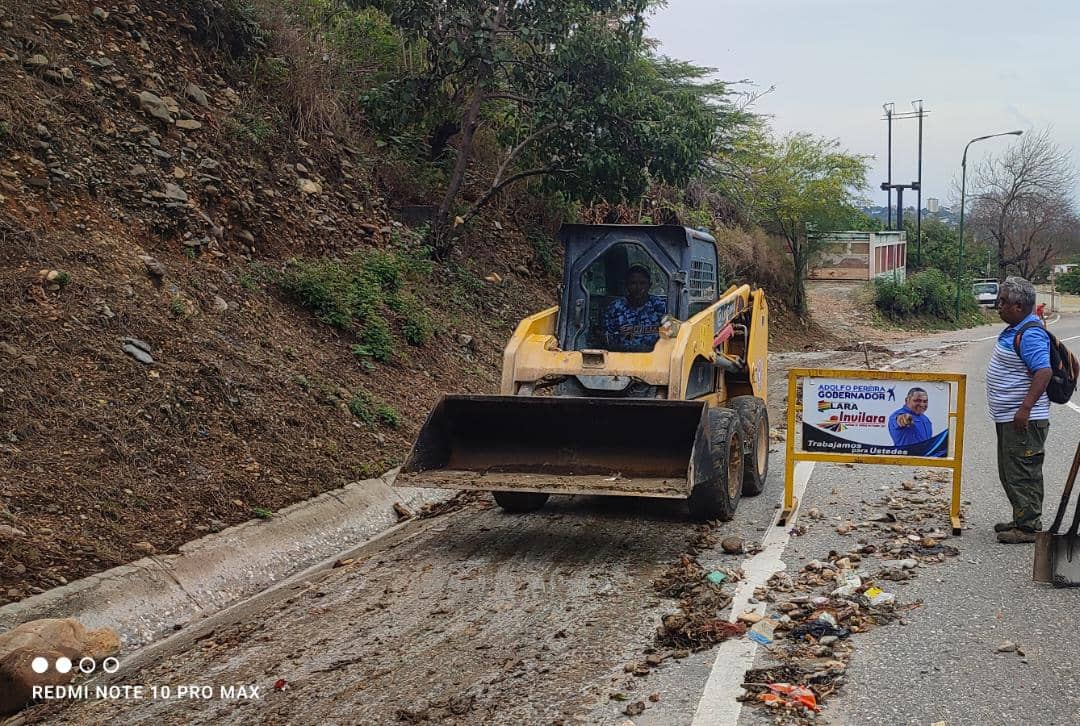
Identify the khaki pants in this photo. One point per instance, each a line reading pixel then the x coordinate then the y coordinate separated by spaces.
pixel 1020 462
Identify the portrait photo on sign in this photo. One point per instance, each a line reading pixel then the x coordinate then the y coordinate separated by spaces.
pixel 887 418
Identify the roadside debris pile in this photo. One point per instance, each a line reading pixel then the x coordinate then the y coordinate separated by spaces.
pixel 813 614
pixel 460 500
pixel 697 625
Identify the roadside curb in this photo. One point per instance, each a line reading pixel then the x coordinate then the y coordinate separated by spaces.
pixel 147 599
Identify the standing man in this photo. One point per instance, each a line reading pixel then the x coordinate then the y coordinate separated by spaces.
pixel 909 424
pixel 1016 395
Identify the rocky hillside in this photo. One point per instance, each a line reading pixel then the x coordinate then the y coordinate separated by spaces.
pixel 156 380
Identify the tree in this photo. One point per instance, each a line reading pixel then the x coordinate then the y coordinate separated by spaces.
pixel 797 187
pixel 1069 282
pixel 1021 203
pixel 569 89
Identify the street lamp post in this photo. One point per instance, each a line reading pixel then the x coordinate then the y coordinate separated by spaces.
pixel 963 183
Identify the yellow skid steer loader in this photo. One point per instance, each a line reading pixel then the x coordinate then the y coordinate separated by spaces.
pixel 646 380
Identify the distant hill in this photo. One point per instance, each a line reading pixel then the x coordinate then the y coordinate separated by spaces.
pixel 947 216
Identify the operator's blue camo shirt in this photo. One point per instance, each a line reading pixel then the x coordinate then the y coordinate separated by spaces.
pixel 648 316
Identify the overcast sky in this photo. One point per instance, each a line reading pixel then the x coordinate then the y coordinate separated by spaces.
pixel 980 67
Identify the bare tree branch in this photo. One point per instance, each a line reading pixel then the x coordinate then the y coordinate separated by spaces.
pixel 1022 203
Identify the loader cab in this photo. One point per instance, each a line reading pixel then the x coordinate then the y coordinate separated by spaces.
pixel 682 267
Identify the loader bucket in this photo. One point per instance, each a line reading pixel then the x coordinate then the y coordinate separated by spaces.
pixel 594 446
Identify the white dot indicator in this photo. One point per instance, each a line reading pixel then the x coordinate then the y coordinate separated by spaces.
pixel 63 665
pixel 39 664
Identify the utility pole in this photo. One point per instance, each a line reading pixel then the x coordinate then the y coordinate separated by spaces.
pixel 890 114
pixel 918 206
pixel 888 107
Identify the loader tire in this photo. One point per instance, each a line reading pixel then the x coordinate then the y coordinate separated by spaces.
pixel 520 502
pixel 717 497
pixel 755 425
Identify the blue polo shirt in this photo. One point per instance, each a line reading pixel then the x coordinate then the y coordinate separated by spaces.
pixel 920 430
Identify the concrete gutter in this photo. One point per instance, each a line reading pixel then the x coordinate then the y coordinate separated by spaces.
pixel 143 601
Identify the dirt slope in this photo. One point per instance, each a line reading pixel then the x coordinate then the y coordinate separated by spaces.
pixel 122 218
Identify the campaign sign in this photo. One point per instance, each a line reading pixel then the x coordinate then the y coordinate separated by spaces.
pixel 887 418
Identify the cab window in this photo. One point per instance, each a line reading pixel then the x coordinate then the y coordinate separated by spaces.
pixel 627 299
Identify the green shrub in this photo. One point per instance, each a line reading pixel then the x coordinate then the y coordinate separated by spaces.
pixel 386 415
pixel 383 268
pixel 416 326
pixel 178 307
pixel 367 409
pixel 252 128
pixel 376 337
pixel 925 294
pixel 417 329
pixel 323 286
pixel 362 407
pixel 1069 282
pixel 358 294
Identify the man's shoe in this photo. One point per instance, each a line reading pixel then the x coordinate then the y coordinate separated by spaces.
pixel 1016 536
pixel 1004 526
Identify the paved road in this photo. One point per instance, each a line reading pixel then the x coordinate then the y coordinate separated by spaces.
pixel 941 667
pixel 482 617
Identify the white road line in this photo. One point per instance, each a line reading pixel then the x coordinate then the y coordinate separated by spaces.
pixel 1073 406
pixel 734 657
pixel 1052 321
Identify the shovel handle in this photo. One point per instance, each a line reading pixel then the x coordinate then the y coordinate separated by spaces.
pixel 1065 495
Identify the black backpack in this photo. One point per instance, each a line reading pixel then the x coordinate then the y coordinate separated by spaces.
pixel 1064 367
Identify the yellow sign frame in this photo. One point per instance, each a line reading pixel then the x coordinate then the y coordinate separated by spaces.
pixel 955 463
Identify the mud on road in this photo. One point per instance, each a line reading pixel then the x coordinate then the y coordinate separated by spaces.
pixel 474 617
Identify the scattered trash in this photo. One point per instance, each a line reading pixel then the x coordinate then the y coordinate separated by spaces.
pixel 879 597
pixel 818 629
pixel 281 684
pixel 905 564
pixel 849 583
pixel 749 618
pixel 635 709
pixel 763 632
pixel 796 695
pixel 695 631
pixel 716 577
pixel 1008 646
